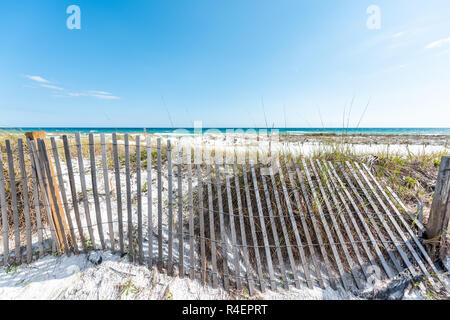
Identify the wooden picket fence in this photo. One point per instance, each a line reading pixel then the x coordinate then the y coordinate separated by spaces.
pixel 238 223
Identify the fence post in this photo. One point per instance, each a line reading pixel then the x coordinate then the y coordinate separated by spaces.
pixel 33 136
pixel 437 225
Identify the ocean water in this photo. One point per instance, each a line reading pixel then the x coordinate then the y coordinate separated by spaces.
pixel 189 131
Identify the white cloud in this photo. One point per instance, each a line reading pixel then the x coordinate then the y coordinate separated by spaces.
pixel 399 34
pixel 102 95
pixel 96 94
pixel 437 44
pixel 44 83
pixel 105 97
pixel 49 86
pixel 100 92
pixel 76 94
pixel 37 79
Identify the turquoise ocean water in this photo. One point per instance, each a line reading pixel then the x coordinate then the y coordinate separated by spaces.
pixel 187 131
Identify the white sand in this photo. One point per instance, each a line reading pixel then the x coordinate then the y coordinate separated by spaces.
pixel 75 277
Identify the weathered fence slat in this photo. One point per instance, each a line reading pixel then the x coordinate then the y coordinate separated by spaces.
pixel 406 241
pixel 341 215
pixel 275 236
pixel 405 224
pixel 26 203
pixel 160 234
pixel 252 228
pixel 73 191
pixel 273 284
pixel 93 168
pixel 118 193
pixel 232 226
pixel 180 217
pixel 226 281
pixel 43 185
pixel 345 281
pixel 315 228
pixel 295 228
pixel 247 265
pixel 47 164
pixel 170 208
pixel 87 213
pixel 391 217
pixel 383 239
pixel 107 191
pixel 150 203
pixel 287 242
pixel 327 231
pixel 191 215
pixel 131 248
pixel 438 221
pixel 380 256
pixel 4 211
pixel 416 222
pixel 139 198
pixel 212 236
pixel 339 186
pixel 12 183
pixel 37 206
pixel 383 221
pixel 62 190
pixel 201 218
pixel 41 162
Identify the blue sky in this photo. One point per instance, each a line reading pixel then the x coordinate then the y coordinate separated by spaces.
pixel 226 63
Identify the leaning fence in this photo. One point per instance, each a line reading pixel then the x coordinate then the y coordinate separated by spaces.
pixel 223 219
